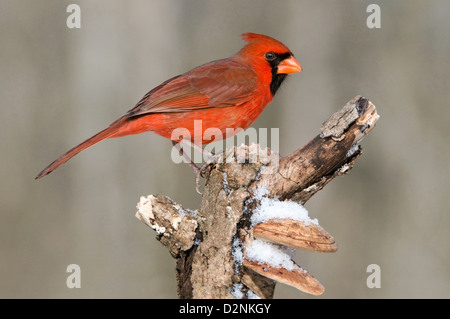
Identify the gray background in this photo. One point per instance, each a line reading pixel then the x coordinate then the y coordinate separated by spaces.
pixel 59 86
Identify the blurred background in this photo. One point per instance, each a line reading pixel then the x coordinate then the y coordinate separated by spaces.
pixel 59 86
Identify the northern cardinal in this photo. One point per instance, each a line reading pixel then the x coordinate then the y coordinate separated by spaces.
pixel 227 93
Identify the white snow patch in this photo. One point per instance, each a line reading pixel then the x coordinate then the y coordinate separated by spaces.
pixel 352 150
pixel 260 192
pixel 273 208
pixel 237 254
pixel 185 212
pixel 181 212
pixel 225 184
pixel 274 255
pixel 252 295
pixel 236 291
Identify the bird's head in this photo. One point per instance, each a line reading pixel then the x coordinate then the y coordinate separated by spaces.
pixel 270 56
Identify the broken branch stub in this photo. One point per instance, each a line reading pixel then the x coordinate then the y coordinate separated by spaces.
pixel 323 156
pixel 211 243
pixel 175 227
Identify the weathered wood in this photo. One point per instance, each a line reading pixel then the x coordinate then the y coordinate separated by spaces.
pixel 324 157
pixel 209 243
pixel 176 227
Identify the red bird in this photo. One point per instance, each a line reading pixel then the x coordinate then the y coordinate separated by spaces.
pixel 227 93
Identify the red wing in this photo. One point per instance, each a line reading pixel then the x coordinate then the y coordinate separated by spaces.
pixel 216 84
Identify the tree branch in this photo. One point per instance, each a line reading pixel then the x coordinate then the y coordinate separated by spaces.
pixel 214 245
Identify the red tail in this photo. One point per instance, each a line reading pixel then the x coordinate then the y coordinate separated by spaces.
pixel 108 132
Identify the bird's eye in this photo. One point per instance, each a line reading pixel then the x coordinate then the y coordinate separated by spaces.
pixel 270 56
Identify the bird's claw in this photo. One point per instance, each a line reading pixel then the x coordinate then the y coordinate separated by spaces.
pixel 200 173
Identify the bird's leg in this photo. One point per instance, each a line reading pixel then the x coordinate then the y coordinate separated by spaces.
pixel 185 156
pixel 197 171
pixel 207 155
pixel 209 159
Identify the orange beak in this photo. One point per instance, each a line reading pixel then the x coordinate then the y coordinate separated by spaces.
pixel 288 66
